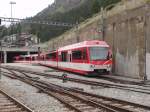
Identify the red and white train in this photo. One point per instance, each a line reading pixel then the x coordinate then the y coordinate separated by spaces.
pixel 88 57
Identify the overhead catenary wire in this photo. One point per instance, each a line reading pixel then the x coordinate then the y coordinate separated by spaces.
pixel 52 23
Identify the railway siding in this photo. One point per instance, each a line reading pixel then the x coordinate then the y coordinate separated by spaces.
pixel 74 97
pixel 126 95
pixel 30 96
pixel 10 104
pixel 124 106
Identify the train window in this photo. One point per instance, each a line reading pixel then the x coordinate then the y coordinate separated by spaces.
pixel 64 56
pixel 43 58
pixel 51 56
pixel 33 58
pixel 27 58
pixel 77 55
pixel 21 58
pixel 70 57
pixel 46 57
pixel 98 53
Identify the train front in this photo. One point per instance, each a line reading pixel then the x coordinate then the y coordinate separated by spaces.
pixel 100 57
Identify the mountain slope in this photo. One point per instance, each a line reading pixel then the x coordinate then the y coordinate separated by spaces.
pixel 69 11
pixel 77 13
pixel 59 6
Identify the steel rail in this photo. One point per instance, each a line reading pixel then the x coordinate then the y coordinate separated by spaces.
pixel 87 82
pixel 13 105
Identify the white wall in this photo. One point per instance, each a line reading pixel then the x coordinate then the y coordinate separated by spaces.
pixel 148 65
pixel 127 66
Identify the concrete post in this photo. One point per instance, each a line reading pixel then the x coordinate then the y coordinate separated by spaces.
pixel 5 56
pixel 28 52
pixel 77 33
pixel 102 23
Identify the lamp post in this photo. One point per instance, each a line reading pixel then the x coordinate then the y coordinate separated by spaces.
pixel 11 4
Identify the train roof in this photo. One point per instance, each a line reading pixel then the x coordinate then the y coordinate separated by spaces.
pixel 85 44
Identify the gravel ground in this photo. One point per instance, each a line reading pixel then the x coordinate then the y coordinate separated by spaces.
pixel 135 97
pixel 30 96
pixel 109 92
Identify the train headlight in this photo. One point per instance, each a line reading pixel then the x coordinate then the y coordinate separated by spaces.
pixel 108 66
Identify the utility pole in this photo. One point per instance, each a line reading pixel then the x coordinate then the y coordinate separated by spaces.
pixel 77 32
pixel 102 23
pixel 39 52
pixel 1 59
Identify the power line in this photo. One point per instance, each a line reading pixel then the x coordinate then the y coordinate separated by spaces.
pixel 52 23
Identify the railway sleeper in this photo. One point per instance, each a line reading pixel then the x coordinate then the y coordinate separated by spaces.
pixel 87 108
pixel 6 104
pixel 5 100
pixel 116 104
pixel 79 105
pixel 11 110
pixel 133 108
pixel 139 110
pixel 11 106
pixel 127 106
pixel 120 108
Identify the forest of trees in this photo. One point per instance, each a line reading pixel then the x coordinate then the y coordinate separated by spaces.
pixel 77 14
pixel 12 29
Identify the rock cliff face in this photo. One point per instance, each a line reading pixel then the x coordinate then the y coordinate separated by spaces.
pixel 67 2
pixel 60 5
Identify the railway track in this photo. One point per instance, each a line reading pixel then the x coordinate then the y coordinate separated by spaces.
pixel 95 84
pixel 78 100
pixel 105 77
pixel 10 104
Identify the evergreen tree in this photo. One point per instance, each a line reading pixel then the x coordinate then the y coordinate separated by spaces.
pixel 95 6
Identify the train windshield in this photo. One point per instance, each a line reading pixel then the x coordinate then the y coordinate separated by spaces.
pixel 98 53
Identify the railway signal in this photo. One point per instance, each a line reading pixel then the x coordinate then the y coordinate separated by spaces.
pixel 64 77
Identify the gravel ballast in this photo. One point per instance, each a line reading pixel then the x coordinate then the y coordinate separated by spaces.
pixel 30 96
pixel 126 95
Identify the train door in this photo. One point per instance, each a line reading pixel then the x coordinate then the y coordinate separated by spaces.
pixel 64 56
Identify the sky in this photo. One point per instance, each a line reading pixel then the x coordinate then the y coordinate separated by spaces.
pixel 23 8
